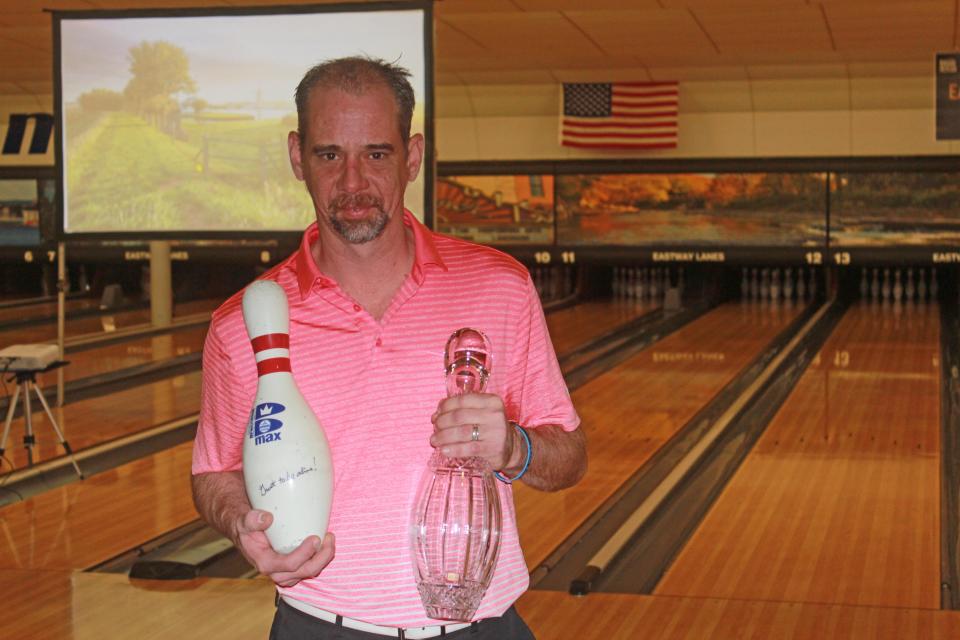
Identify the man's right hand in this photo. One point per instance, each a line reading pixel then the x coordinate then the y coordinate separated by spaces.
pixel 286 570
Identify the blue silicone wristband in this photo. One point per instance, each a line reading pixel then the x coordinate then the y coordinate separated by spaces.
pixel 526 462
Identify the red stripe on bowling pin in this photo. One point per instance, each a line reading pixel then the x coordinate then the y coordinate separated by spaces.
pixel 273 365
pixel 267 342
pixel 271 341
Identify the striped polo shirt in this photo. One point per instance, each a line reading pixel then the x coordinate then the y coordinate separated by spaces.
pixel 374 386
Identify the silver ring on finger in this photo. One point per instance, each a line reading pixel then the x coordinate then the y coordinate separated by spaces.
pixel 475 433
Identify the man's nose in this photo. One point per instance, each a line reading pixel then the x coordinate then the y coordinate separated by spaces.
pixel 353 178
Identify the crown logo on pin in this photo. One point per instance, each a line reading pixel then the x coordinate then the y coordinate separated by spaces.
pixel 266 409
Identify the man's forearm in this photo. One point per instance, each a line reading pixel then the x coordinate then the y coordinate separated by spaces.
pixel 221 500
pixel 558 458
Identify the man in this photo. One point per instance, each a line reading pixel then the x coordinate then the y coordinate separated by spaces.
pixel 373 297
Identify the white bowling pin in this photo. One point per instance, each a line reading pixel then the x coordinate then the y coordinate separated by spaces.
pixel 287 468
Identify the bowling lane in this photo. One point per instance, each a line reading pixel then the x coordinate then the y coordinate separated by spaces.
pixel 131 353
pixel 95 420
pixel 839 501
pixel 635 408
pixel 46 311
pixel 84 523
pixel 105 323
pixel 577 325
pixel 89 422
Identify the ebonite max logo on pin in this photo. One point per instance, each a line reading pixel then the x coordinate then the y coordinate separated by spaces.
pixel 264 426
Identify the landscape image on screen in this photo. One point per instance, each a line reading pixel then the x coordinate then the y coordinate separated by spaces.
pixel 496 209
pixel 19 213
pixel 888 209
pixel 179 124
pixel 742 209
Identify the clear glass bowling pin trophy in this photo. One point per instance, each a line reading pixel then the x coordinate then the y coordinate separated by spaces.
pixel 287 468
pixel 455 534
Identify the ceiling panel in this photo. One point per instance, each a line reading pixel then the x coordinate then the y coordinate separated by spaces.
pixel 525 76
pixel 626 74
pixel 768 33
pixel 797 71
pixel 34 38
pixel 529 42
pixel 896 69
pixel 454 43
pixel 645 34
pixel 26 20
pixel 580 5
pixel 446 7
pixel 732 4
pixel 697 72
pixel 38 6
pixel 894 29
pixel 537 35
pixel 22 72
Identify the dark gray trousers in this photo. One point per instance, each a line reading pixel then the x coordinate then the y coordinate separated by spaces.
pixel 291 624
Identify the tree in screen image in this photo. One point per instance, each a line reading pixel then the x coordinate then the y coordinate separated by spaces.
pixel 159 70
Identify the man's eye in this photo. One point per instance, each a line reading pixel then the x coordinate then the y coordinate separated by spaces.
pixel 378 155
pixel 329 156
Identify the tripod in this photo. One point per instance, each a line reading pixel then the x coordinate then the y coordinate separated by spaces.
pixel 27 380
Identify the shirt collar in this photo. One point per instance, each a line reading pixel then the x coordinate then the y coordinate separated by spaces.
pixel 425 254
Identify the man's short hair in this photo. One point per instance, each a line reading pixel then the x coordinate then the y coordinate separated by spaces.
pixel 355 75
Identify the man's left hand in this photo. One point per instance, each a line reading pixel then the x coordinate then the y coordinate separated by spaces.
pixel 454 423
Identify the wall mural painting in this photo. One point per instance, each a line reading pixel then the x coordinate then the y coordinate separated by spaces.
pixel 19 213
pixel 895 209
pixel 496 209
pixel 724 209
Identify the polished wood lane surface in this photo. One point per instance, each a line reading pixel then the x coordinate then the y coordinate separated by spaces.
pixel 47 311
pixel 577 325
pixel 84 523
pixel 95 420
pixel 64 605
pixel 839 502
pixel 556 616
pixel 107 323
pixel 89 422
pixel 632 410
pixel 131 353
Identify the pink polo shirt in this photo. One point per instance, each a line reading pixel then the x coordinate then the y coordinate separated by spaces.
pixel 374 386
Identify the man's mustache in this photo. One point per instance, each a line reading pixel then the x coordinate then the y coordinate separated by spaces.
pixel 356 201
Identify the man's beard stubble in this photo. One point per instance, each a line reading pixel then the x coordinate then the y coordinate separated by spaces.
pixel 358 231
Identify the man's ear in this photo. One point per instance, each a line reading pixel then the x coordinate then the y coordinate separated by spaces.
pixel 296 158
pixel 414 156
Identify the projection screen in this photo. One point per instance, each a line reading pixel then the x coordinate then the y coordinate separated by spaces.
pixel 174 123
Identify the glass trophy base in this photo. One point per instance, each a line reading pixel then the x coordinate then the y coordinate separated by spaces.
pixel 451 601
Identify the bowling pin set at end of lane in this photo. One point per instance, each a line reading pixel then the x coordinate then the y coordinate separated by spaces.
pixel 287 466
pixel 886 284
pixel 762 284
pixel 646 283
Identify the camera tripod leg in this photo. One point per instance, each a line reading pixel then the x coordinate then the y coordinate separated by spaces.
pixel 28 439
pixel 6 425
pixel 56 429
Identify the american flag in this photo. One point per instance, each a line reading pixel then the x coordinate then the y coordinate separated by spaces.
pixel 620 115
